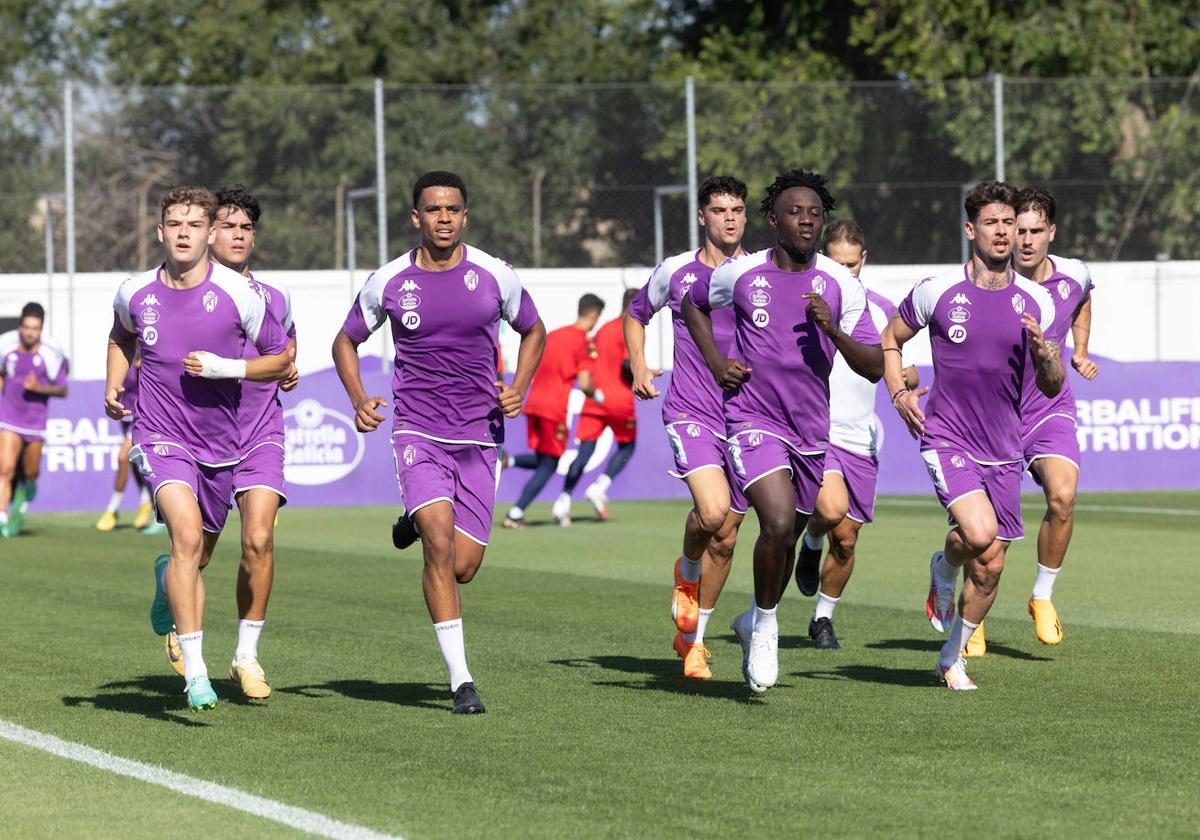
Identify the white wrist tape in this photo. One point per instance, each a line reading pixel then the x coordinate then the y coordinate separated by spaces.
pixel 213 366
pixel 598 397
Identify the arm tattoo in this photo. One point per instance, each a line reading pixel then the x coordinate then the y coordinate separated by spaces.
pixel 1050 355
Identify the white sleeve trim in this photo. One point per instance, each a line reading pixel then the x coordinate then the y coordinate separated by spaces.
pixel 127 291
pixel 854 294
pixel 53 357
pixel 927 293
pixel 251 307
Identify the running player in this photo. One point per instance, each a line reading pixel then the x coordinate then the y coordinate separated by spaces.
pixel 565 362
pixel 986 326
pixel 847 497
pixel 1048 439
pixel 145 515
pixel 258 478
pixel 694 419
pixel 445 301
pixel 33 370
pixel 793 310
pixel 189 318
pixel 610 406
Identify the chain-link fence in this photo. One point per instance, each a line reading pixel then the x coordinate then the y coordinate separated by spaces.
pixel 596 175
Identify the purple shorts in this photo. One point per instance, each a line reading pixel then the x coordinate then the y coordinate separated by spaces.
pixel 262 467
pixel 859 473
pixel 757 453
pixel 696 447
pixel 25 435
pixel 463 474
pixel 163 463
pixel 1053 437
pixel 955 475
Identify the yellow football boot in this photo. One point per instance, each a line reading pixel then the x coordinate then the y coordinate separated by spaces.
pixel 174 652
pixel 108 521
pixel 977 644
pixel 1045 621
pixel 145 516
pixel 248 674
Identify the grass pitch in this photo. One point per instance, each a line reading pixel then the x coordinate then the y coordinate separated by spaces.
pixel 591 729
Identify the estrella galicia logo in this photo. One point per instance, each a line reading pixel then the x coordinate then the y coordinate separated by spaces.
pixel 959 315
pixel 322 444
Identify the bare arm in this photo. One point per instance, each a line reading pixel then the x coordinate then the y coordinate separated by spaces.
pixel 635 343
pixel 905 399
pixel 345 360
pixel 1081 331
pixel 729 373
pixel 1046 358
pixel 293 377
pixel 911 378
pixel 31 384
pixel 120 357
pixel 510 398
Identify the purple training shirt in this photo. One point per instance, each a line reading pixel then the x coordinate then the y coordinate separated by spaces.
pixel 693 395
pixel 260 414
pixel 219 315
pixel 445 325
pixel 980 360
pixel 790 357
pixel 21 411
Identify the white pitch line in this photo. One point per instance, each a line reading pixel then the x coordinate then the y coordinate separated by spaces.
pixel 289 815
pixel 1089 508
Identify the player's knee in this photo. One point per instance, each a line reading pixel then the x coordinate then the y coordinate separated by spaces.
pixel 257 545
pixel 188 546
pixel 465 575
pixel 1060 504
pixel 978 536
pixel 778 529
pixel 842 548
pixel 710 517
pixel 829 513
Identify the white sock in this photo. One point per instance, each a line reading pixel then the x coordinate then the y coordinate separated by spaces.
pixel 602 483
pixel 515 513
pixel 1043 584
pixel 701 623
pixel 193 659
pixel 825 606
pixel 114 503
pixel 564 499
pixel 248 633
pixel 946 574
pixel 454 651
pixel 814 543
pixel 144 496
pixel 689 569
pixel 3 517
pixel 960 631
pixel 764 620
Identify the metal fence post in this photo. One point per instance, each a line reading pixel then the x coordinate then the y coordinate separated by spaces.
pixel 998 119
pixel 381 211
pixel 693 228
pixel 69 227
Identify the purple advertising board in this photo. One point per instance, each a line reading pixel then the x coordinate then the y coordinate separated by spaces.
pixel 1139 428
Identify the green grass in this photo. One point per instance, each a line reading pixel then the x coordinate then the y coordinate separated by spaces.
pixel 591 730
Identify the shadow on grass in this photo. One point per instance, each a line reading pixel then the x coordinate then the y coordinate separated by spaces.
pixel 936 645
pixel 156 697
pixel 416 695
pixel 910 677
pixel 659 675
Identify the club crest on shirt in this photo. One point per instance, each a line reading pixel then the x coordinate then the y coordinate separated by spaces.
pixel 410 320
pixel 760 317
pixel 957 333
pixel 1064 289
pixel 760 282
pixel 759 297
pixel 1018 302
pixel 754 439
pixel 149 336
pixel 410 301
pixel 149 316
pixel 818 285
pixel 959 315
pixel 957 461
pixel 161 449
pixel 210 300
pixel 471 279
pixel 960 298
pixel 410 455
pixel 693 430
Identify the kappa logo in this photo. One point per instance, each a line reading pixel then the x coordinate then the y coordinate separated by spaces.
pixel 960 298
pixel 818 285
pixel 693 430
pixel 759 297
pixel 410 301
pixel 149 336
pixel 210 300
pixel 149 316
pixel 410 286
pixel 760 317
pixel 1018 303
pixel 760 282
pixel 1064 289
pixel 410 320
pixel 959 315
pixel 471 279
pixel 410 455
pixel 150 300
pixel 957 333
pixel 957 461
pixel 688 279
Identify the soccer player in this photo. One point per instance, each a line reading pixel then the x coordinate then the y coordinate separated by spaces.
pixel 189 319
pixel 694 419
pixel 793 310
pixel 258 485
pixel 32 370
pixel 847 497
pixel 610 406
pixel 987 325
pixel 564 363
pixel 1048 439
pixel 445 301
pixel 144 520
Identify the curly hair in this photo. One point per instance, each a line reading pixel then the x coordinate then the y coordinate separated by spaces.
pixel 239 199
pixel 797 178
pixel 191 196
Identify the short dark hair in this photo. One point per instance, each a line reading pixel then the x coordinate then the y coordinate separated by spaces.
pixel 590 303
pixel 189 197
pixel 630 294
pixel 845 230
pixel 719 185
pixel 33 310
pixel 797 178
pixel 239 199
pixel 438 178
pixel 989 192
pixel 1037 200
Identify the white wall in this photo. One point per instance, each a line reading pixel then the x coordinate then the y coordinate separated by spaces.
pixel 1143 310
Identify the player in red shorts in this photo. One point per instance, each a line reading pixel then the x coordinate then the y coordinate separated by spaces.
pixel 564 361
pixel 610 406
